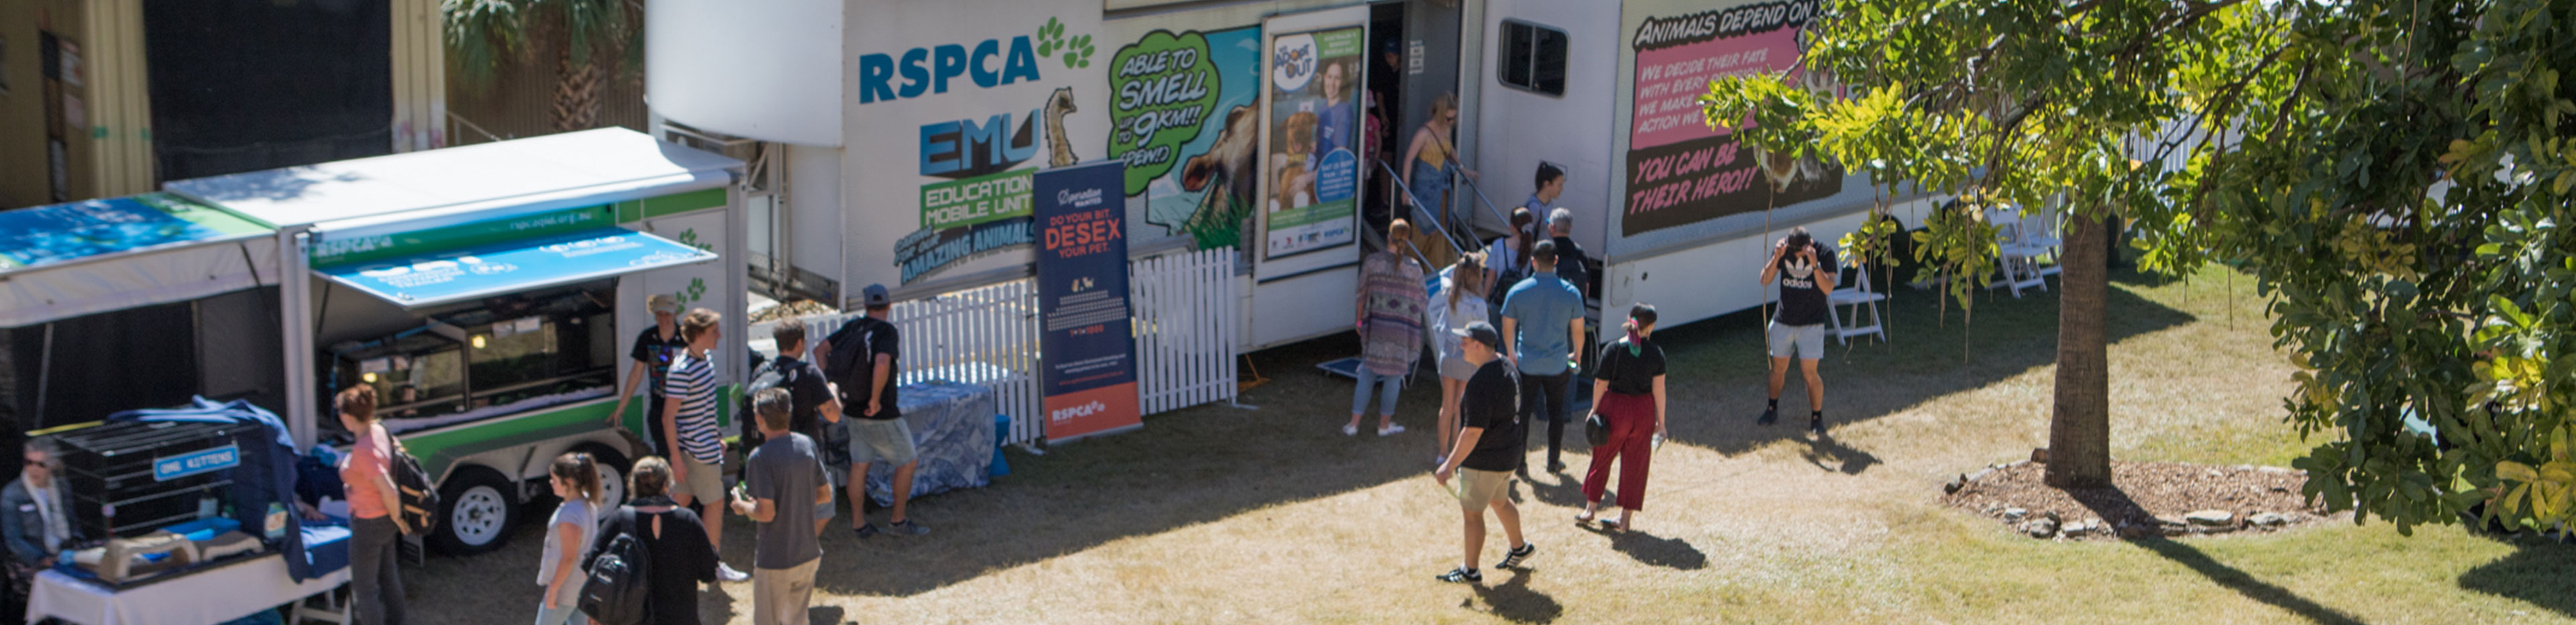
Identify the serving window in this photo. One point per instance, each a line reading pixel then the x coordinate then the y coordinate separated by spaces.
pixel 498 356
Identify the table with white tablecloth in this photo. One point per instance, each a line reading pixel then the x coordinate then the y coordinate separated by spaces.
pixel 215 595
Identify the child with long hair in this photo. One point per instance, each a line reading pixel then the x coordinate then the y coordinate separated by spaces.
pixel 1464 286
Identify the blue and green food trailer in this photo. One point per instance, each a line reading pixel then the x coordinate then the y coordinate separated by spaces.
pixel 491 293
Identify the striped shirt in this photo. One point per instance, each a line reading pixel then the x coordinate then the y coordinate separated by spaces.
pixel 692 384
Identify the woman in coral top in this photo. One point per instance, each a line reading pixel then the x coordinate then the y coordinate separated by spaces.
pixel 373 529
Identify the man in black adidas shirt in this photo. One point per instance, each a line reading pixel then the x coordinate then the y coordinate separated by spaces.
pixel 1806 272
pixel 1489 448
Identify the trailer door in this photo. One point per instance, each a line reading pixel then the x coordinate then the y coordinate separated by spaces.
pixel 1306 219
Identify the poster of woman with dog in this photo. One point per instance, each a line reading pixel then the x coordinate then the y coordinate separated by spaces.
pixel 1311 174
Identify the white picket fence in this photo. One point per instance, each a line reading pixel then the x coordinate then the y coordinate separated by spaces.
pixel 1185 317
pixel 1182 309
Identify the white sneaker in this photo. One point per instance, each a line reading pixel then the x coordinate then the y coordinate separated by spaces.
pixel 1390 430
pixel 725 572
pixel 1351 430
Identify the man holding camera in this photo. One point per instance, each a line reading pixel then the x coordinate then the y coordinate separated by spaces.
pixel 1806 272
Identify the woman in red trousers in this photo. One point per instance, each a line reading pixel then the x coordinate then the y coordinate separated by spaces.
pixel 1629 387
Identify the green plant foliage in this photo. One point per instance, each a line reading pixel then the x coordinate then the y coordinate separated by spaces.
pixel 481 33
pixel 2394 173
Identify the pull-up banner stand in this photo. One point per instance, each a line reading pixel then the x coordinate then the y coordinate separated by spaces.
pixel 1087 347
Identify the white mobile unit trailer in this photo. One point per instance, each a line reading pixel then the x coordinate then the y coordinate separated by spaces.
pixel 1681 215
pixel 491 295
pixel 909 130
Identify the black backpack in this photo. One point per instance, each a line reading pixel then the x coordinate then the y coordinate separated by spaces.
pixel 419 497
pixel 850 354
pixel 615 591
pixel 767 376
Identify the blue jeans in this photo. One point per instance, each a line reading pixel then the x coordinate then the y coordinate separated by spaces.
pixel 374 582
pixel 1388 386
pixel 567 614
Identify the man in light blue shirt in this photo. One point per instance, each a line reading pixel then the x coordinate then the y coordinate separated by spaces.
pixel 1533 313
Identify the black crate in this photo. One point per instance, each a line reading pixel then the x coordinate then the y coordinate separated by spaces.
pixel 114 490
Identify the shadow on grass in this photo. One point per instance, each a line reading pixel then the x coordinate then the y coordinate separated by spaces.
pixel 1185 468
pixel 1212 463
pixel 826 615
pixel 1934 349
pixel 2244 584
pixel 1831 455
pixel 1671 553
pixel 1514 601
pixel 2541 573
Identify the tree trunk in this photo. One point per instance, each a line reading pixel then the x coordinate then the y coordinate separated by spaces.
pixel 2079 426
pixel 576 104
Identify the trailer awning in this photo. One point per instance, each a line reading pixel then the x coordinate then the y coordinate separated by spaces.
pixel 83 258
pixel 500 268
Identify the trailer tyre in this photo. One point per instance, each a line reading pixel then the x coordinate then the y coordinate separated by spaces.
pixel 475 512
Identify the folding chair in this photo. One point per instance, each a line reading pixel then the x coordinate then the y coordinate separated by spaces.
pixel 2042 231
pixel 2018 257
pixel 1858 296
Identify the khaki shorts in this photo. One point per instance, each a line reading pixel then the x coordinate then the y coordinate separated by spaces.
pixel 889 441
pixel 1479 488
pixel 706 481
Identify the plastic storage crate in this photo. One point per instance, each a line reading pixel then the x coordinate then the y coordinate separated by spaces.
pixel 130 478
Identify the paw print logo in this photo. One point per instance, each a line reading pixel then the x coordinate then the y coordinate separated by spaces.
pixel 1077 50
pixel 689 238
pixel 697 291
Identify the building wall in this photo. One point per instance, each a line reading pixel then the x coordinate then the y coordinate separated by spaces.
pixel 22 110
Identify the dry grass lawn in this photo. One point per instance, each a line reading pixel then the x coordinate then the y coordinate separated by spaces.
pixel 1218 514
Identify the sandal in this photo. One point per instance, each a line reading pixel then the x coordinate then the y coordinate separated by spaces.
pixel 1612 526
pixel 1585 517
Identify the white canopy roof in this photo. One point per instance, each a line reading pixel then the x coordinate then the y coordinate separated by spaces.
pixel 433 188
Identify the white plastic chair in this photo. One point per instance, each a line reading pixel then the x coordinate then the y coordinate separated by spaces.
pixel 2018 258
pixel 1857 296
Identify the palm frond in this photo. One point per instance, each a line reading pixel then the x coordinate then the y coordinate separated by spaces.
pixel 480 33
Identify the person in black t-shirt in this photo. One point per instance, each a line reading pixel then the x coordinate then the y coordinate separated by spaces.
pixel 1630 385
pixel 863 358
pixel 1489 448
pixel 814 405
pixel 652 355
pixel 1806 272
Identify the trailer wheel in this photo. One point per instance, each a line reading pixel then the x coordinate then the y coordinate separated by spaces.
pixel 613 469
pixel 475 512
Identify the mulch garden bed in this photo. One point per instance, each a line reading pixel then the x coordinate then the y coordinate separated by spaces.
pixel 2147 499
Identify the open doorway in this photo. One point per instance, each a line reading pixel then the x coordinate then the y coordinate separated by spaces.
pixel 1413 82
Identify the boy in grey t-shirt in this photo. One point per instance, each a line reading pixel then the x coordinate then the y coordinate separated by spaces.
pixel 782 484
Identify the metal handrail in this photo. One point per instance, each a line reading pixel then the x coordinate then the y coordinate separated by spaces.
pixel 1445 235
pixel 1499 216
pixel 453 118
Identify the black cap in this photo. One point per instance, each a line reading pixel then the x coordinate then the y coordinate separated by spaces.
pixel 875 295
pixel 1642 313
pixel 1482 332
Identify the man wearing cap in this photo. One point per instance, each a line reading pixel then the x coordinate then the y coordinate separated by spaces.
pixel 652 356
pixel 862 358
pixel 1489 447
pixel 1533 314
